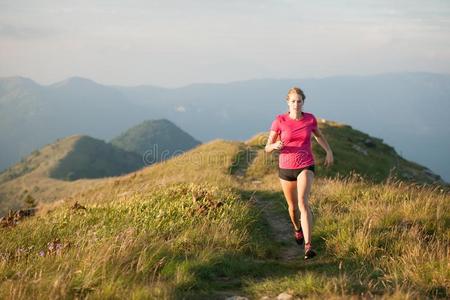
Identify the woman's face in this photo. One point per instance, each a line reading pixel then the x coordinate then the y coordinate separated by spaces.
pixel 295 103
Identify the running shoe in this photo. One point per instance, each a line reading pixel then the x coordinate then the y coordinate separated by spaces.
pixel 310 253
pixel 299 238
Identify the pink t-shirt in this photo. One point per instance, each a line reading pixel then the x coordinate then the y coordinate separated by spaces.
pixel 296 137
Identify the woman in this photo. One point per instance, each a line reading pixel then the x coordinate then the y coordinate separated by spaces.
pixel 291 134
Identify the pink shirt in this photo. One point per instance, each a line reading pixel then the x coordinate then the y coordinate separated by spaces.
pixel 296 137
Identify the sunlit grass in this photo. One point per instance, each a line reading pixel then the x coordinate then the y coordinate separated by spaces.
pixel 186 228
pixel 163 240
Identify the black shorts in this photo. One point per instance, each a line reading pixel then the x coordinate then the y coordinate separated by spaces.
pixel 291 174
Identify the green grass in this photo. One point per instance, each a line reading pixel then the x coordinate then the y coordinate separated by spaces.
pixel 389 240
pixel 186 229
pixel 93 158
pixel 373 239
pixel 159 242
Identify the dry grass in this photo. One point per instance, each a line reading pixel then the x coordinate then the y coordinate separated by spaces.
pixel 386 240
pixel 184 228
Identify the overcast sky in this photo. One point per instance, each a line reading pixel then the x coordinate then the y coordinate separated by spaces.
pixel 174 43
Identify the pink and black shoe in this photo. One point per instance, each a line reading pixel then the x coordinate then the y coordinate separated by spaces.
pixel 299 238
pixel 309 252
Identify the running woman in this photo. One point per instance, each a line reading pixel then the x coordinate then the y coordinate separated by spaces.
pixel 290 133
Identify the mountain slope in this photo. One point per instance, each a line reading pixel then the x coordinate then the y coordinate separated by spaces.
pixel 32 115
pixel 155 140
pixel 43 173
pixel 92 158
pixel 354 151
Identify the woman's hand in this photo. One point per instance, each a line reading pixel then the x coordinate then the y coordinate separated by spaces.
pixel 277 145
pixel 329 160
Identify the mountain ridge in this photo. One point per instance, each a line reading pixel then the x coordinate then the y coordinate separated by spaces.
pixel 240 110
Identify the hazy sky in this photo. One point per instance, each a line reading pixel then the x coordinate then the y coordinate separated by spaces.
pixel 173 43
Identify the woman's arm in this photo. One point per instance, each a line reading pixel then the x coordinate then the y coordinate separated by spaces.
pixel 272 143
pixel 320 138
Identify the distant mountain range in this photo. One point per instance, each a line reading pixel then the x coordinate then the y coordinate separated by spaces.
pixel 407 110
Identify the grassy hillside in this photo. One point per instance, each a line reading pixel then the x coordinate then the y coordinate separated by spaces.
pixel 203 225
pixel 38 175
pixel 354 151
pixel 41 175
pixel 375 240
pixel 93 158
pixel 36 178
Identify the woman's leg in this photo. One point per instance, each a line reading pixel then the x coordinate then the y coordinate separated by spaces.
pixel 290 193
pixel 304 183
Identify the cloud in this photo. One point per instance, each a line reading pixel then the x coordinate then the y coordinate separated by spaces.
pixel 175 42
pixel 180 108
pixel 24 32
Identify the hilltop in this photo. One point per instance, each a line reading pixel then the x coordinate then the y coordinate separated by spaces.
pixel 155 140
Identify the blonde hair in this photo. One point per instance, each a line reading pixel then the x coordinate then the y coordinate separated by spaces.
pixel 296 90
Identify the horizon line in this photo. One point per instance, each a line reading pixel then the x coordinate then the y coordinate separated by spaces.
pixel 221 83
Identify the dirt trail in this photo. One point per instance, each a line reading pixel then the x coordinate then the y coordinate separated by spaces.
pixel 279 223
pixel 281 228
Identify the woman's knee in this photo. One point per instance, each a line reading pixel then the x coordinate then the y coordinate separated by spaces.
pixel 303 205
pixel 291 208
